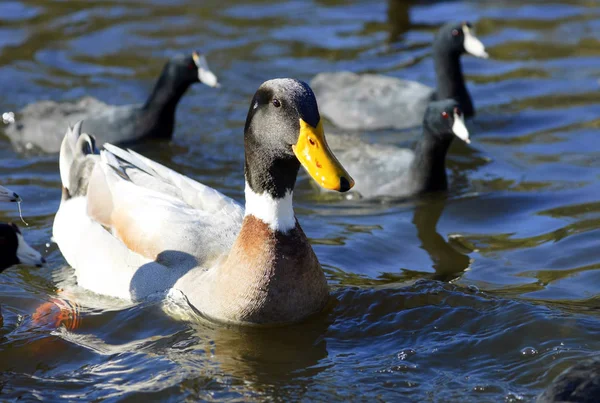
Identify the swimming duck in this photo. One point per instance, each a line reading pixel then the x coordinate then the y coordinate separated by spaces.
pixel 132 227
pixel 369 101
pixel 42 124
pixel 383 170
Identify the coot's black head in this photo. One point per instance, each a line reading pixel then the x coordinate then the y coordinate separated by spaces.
pixel 284 124
pixel 459 38
pixel 191 69
pixel 14 249
pixel 444 119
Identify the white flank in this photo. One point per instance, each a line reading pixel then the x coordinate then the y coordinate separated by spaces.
pixel 204 74
pixel 459 128
pixel 278 214
pixel 26 254
pixel 7 195
pixel 473 45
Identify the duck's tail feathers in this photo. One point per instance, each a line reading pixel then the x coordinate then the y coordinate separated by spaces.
pixel 131 159
pixel 110 160
pixel 74 150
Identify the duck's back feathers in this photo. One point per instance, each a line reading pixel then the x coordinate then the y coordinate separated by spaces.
pixel 136 212
pixel 192 192
pixel 369 101
pixel 143 202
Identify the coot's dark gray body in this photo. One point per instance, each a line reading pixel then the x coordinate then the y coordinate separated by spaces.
pixel 42 125
pixel 383 170
pixel 369 102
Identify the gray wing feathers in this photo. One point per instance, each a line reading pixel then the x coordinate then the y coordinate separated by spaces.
pixel 147 173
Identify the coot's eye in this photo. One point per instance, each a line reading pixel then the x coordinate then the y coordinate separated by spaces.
pixel 457 111
pixel 192 66
pixel 455 32
pixel 276 103
pixel 445 115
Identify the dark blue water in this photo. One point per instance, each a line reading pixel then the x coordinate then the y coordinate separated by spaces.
pixel 485 295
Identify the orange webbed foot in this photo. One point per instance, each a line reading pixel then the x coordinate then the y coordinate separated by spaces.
pixel 56 313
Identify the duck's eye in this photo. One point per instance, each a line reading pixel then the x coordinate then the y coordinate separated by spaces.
pixel 276 103
pixel 457 111
pixel 311 141
pixel 455 32
pixel 445 115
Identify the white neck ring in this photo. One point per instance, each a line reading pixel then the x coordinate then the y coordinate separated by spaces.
pixel 278 214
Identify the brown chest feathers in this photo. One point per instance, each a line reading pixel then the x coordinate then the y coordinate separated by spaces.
pixel 269 277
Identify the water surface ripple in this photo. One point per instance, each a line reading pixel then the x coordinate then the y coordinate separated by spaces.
pixel 484 295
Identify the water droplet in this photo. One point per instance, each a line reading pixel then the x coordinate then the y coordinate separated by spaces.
pixel 512 397
pixel 21 213
pixel 404 367
pixel 406 354
pixel 529 352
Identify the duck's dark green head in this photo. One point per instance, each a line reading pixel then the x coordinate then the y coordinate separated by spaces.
pixel 458 38
pixel 445 119
pixel 284 129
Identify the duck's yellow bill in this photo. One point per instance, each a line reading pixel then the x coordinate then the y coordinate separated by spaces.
pixel 314 154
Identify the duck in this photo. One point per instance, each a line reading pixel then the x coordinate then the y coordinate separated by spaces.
pixel 41 125
pixel 372 102
pixel 131 227
pixel 387 170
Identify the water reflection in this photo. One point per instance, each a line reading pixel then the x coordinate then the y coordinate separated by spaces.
pixel 267 355
pixel 447 261
pixel 398 18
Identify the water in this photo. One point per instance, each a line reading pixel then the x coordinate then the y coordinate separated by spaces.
pixel 485 295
